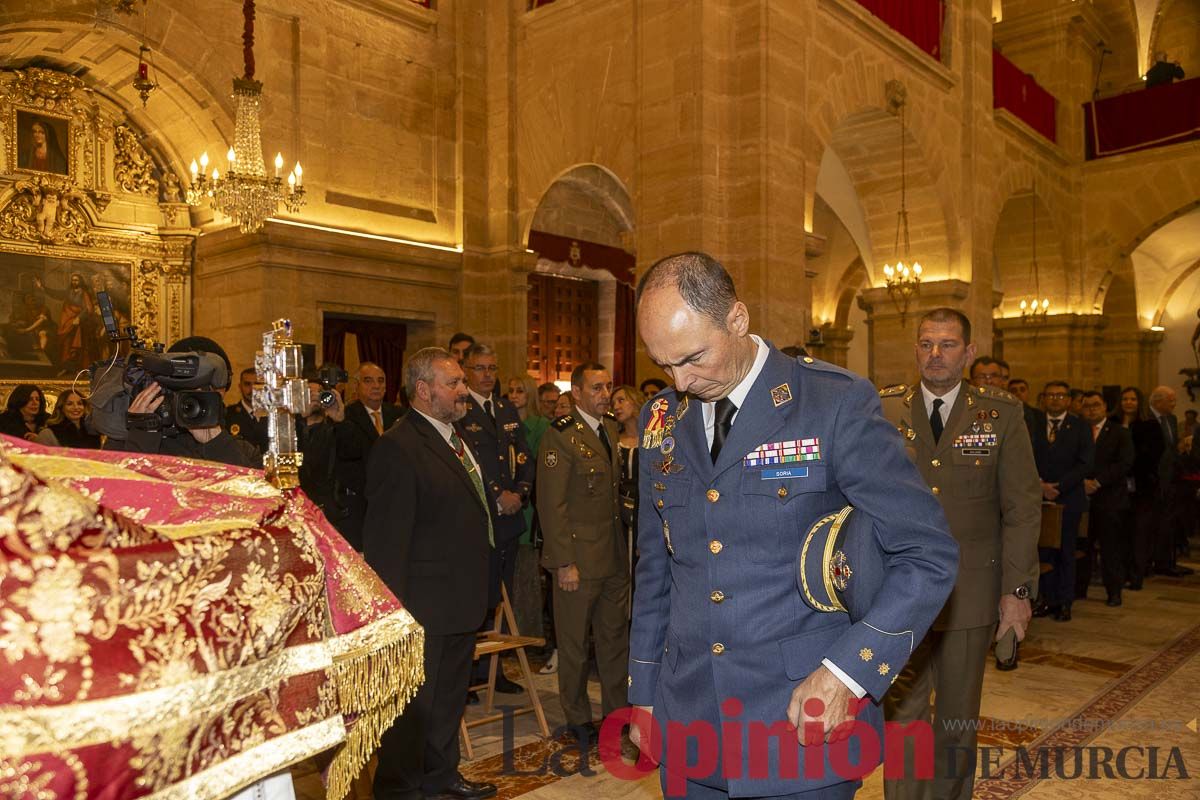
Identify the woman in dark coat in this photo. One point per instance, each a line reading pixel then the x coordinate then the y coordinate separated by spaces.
pixel 25 412
pixel 66 428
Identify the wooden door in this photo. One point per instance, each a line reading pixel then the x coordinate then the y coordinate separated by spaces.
pixel 563 319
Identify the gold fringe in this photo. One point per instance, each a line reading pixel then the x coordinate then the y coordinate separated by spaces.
pixel 378 672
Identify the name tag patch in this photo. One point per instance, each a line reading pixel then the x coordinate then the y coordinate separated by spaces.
pixel 787 452
pixel 976 451
pixel 778 473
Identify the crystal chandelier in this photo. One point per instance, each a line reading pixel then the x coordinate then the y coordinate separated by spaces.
pixel 903 279
pixel 1034 311
pixel 245 193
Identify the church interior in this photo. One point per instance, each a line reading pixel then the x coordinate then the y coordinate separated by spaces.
pixel 509 168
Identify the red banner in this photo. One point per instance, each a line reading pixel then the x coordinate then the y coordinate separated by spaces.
pixel 1019 93
pixel 919 21
pixel 1138 120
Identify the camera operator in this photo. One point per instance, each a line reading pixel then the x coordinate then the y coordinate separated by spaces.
pixel 209 444
pixel 317 439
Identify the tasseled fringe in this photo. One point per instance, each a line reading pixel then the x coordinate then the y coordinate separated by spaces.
pixel 373 688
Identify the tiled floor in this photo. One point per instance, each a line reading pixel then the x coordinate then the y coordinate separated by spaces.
pixel 1118 678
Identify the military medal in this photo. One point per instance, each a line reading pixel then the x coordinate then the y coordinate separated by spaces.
pixel 995 414
pixel 668 445
pixel 656 426
pixel 987 427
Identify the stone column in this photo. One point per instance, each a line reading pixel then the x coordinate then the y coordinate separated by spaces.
pixel 835 345
pixel 1064 347
pixel 1151 349
pixel 892 336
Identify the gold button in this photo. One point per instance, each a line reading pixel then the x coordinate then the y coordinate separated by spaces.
pixel 808 360
pixel 717 596
pixel 718 648
pixel 713 495
pixel 936 491
pixel 937 462
pixel 782 492
pixel 659 502
pixel 978 463
pixel 714 547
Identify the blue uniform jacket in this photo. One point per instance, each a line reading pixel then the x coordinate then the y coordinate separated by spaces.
pixel 717 612
pixel 499 445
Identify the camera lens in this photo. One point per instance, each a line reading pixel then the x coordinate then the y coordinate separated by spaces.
pixel 189 408
pixel 326 398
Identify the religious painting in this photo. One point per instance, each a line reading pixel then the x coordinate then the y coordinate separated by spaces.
pixel 50 323
pixel 43 143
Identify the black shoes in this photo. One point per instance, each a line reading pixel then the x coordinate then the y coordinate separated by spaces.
pixel 470 790
pixel 1113 601
pixel 506 686
pixel 1063 614
pixel 472 698
pixel 1044 610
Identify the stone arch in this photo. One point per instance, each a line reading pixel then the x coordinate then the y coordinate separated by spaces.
pixel 856 87
pixel 853 281
pixel 1013 254
pixel 1128 25
pixel 185 116
pixel 868 143
pixel 587 202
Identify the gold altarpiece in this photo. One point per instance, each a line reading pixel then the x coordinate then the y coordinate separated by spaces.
pixel 87 201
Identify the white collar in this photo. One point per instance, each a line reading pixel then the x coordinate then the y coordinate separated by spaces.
pixel 479 399
pixel 591 421
pixel 444 428
pixel 949 398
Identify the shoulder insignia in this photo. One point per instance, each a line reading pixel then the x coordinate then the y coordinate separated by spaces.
pixel 563 422
pixel 610 415
pixel 909 396
pixel 999 394
pixel 895 390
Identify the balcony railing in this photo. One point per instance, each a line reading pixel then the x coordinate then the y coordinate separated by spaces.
pixel 1141 119
pixel 919 21
pixel 1018 93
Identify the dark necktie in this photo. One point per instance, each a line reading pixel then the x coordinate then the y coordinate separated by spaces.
pixel 1054 423
pixel 487 408
pixel 935 419
pixel 603 434
pixel 724 421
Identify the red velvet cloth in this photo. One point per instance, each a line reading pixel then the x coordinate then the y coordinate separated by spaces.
pixel 1018 92
pixel 1138 120
pixel 919 21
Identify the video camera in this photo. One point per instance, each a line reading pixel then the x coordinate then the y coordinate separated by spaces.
pixel 185 378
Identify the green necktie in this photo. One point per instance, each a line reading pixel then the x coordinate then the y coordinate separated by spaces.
pixel 469 466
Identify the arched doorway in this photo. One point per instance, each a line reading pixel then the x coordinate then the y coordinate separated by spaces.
pixel 580 304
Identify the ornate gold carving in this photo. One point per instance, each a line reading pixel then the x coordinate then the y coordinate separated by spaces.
pixel 132 166
pixel 45 209
pixel 45 88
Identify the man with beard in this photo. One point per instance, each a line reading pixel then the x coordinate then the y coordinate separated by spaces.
pixel 428 533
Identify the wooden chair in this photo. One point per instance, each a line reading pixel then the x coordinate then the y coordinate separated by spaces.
pixel 490 644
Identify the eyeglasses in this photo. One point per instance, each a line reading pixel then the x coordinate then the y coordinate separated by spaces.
pixel 491 369
pixel 1057 396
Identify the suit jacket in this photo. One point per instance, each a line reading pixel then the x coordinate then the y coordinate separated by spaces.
pixel 717 611
pixel 577 499
pixel 426 530
pixel 1033 418
pixel 1148 447
pixel 1111 465
pixel 1170 455
pixel 1067 461
pixel 354 436
pixel 504 456
pixel 982 471
pixel 246 426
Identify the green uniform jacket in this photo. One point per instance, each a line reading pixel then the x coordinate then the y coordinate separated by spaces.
pixel 982 472
pixel 577 499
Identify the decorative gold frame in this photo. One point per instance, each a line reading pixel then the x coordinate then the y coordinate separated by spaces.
pixel 70 149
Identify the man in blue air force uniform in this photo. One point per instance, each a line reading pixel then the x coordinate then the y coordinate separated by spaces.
pixel 737 460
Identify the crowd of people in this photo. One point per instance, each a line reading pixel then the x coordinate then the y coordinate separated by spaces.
pixel 1057 486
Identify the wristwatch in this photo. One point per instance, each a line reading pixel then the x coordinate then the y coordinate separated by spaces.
pixel 1021 592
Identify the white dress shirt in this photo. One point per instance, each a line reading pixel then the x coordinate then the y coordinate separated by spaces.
pixel 948 399
pixel 589 420
pixel 480 400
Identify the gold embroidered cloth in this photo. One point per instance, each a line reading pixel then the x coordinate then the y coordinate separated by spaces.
pixel 173 628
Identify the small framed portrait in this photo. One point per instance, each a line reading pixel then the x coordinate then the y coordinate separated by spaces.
pixel 43 143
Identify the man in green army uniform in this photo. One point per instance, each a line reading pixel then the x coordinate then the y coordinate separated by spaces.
pixel 584 548
pixel 971 446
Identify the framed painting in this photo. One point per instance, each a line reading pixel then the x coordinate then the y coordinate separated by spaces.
pixel 50 325
pixel 43 143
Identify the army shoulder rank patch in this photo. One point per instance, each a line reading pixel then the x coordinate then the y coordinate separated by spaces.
pixel 551 459
pixel 895 390
pixel 563 422
pixel 786 452
pixel 781 394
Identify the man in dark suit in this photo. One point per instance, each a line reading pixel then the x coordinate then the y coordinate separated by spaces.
pixel 1019 388
pixel 1108 491
pixel 1162 407
pixel 428 534
pixel 737 460
pixel 1063 451
pixel 1148 448
pixel 240 420
pixel 494 432
pixel 366 420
